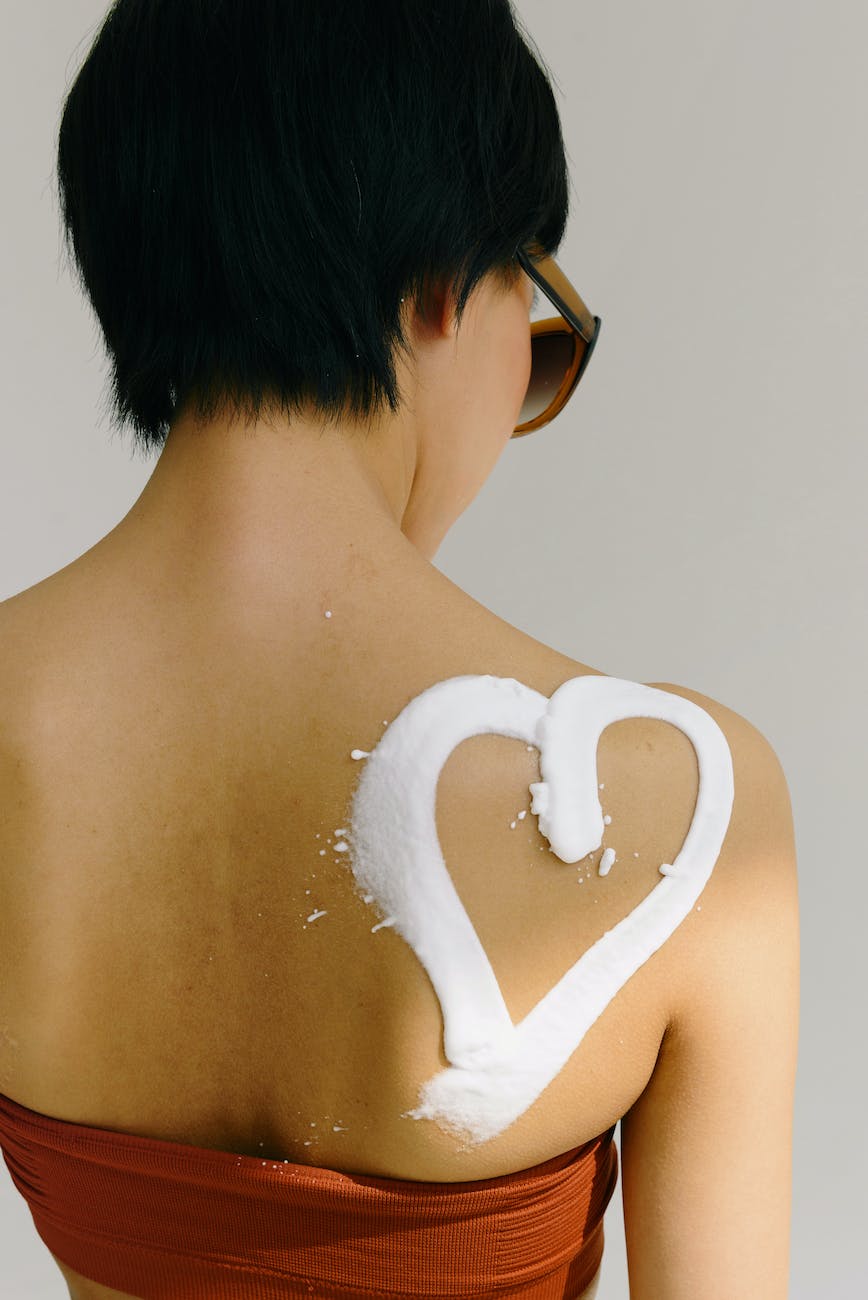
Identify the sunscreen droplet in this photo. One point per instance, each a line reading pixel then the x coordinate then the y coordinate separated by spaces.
pixel 328 613
pixel 360 753
pixel 607 820
pixel 606 862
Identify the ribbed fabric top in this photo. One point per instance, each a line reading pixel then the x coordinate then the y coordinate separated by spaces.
pixel 164 1220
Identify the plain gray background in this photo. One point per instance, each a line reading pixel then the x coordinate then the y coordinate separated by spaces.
pixel 697 513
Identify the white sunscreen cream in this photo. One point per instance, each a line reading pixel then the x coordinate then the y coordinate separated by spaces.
pixel 497 1068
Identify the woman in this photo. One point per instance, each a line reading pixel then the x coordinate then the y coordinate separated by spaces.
pixel 259 1039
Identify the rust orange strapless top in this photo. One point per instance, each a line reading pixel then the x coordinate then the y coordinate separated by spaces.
pixel 167 1221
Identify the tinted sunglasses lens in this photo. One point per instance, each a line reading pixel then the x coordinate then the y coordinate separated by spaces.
pixel 552 355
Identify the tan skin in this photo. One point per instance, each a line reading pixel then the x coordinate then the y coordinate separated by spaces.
pixel 187 655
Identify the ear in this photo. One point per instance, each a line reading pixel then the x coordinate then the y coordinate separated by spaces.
pixel 435 317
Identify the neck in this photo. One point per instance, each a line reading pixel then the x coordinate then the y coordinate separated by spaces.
pixel 255 502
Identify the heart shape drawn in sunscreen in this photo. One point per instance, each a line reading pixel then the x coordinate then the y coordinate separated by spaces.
pixel 497 1068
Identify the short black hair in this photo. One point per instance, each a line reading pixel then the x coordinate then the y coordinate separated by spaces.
pixel 250 187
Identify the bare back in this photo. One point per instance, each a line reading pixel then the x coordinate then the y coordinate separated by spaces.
pixel 183 953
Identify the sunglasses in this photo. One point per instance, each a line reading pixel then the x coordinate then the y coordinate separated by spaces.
pixel 561 346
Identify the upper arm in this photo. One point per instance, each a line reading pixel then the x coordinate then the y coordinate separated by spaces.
pixel 706 1149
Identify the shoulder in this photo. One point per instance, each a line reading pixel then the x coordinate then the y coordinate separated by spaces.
pixel 759 849
pixel 29 628
pixel 748 939
pixel 36 643
pixel 650 755
pixel 761 826
pixel 13 640
pixel 43 630
pixel 26 629
pixel 747 743
pixel 649 770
